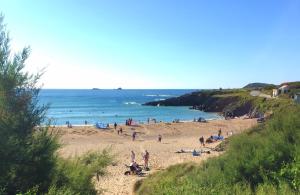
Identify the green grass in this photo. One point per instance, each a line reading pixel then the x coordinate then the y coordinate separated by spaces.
pixel 263 160
pixel 260 103
pixel 74 176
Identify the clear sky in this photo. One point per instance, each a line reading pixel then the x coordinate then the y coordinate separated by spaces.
pixel 157 43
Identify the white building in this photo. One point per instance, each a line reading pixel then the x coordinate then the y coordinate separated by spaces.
pixel 283 89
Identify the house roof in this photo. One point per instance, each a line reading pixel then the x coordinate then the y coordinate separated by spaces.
pixel 283 86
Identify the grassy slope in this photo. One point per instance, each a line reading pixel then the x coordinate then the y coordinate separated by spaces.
pixel 262 104
pixel 263 160
pixel 238 102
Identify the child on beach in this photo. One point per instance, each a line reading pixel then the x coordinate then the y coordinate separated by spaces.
pixel 121 130
pixel 115 126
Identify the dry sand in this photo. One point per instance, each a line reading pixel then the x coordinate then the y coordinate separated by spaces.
pixel 175 136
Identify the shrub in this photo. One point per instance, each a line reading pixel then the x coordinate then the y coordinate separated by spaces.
pixel 27 152
pixel 28 160
pixel 74 176
pixel 263 160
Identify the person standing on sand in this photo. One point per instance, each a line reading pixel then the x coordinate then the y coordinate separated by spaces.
pixel 159 138
pixel 146 160
pixel 133 136
pixel 115 125
pixel 121 130
pixel 132 156
pixel 220 132
pixel 201 139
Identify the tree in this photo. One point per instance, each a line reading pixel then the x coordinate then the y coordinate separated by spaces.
pixel 27 150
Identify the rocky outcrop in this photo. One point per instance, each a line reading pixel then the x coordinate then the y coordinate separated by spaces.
pixel 211 101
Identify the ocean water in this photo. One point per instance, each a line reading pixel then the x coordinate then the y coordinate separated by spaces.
pixel 109 106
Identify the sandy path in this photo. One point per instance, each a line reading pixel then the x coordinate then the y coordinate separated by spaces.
pixel 176 136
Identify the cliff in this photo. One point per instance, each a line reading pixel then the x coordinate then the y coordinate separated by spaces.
pixel 228 102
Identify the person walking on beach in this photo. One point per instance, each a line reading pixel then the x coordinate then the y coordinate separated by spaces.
pixel 219 132
pixel 121 130
pixel 146 160
pixel 133 136
pixel 201 139
pixel 132 156
pixel 159 138
pixel 115 125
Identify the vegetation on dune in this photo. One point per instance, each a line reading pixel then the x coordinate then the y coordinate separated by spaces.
pixel 263 160
pixel 28 152
pixel 74 176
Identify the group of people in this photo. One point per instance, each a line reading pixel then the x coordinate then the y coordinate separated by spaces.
pixel 145 156
pixel 69 125
pixel 151 119
pixel 134 133
pixel 128 122
pixel 120 130
pixel 211 138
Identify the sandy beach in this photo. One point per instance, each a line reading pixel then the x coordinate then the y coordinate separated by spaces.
pixel 175 136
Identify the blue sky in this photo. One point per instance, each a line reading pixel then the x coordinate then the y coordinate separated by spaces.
pixel 157 44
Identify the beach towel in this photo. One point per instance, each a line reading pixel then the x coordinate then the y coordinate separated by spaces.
pixel 215 137
pixel 101 125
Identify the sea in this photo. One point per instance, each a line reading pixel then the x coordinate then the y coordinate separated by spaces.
pixel 110 106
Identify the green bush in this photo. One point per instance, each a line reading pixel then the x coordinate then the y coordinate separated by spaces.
pixel 28 152
pixel 263 160
pixel 74 176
